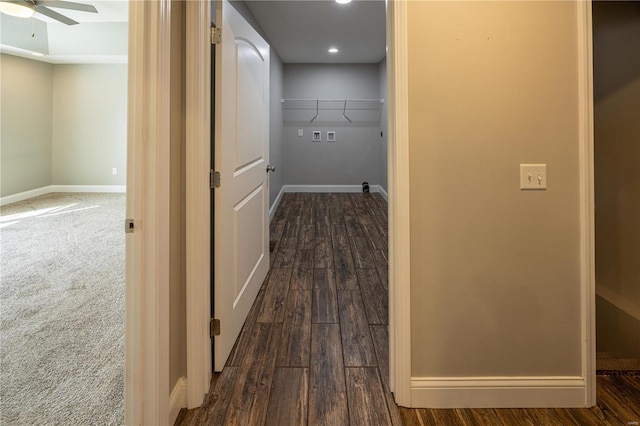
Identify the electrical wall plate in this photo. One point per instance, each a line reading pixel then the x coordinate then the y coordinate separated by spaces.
pixel 317 136
pixel 331 136
pixel 533 176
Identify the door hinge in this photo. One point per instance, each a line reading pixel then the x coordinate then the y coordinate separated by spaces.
pixel 129 226
pixel 214 327
pixel 214 179
pixel 216 35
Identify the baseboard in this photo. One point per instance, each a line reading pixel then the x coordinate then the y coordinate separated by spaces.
pixel 498 392
pixel 177 399
pixel 275 204
pixel 88 188
pixel 384 194
pixel 10 199
pixel 328 188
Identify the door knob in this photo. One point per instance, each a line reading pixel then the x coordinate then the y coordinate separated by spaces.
pixel 271 168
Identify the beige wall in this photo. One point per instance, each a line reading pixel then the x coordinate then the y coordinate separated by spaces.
pixel 177 268
pixel 89 124
pixel 495 279
pixel 616 38
pixel 26 100
pixel 61 124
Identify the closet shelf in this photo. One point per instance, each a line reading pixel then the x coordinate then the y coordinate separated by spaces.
pixel 332 110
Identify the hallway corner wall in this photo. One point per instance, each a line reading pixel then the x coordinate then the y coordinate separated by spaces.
pixel 616 35
pixel 276 154
pixel 382 68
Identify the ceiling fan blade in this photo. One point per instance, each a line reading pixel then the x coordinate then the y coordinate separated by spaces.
pixel 68 5
pixel 54 15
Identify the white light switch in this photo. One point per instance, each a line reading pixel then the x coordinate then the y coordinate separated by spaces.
pixel 114 171
pixel 533 176
pixel 300 132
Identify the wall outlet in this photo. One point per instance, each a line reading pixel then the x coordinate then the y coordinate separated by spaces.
pixel 533 176
pixel 114 171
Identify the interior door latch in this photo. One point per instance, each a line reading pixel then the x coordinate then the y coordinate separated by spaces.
pixel 129 226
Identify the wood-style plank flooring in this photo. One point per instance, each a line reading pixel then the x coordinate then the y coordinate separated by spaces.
pixel 314 348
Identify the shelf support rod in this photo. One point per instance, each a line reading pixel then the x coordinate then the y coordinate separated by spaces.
pixel 317 110
pixel 344 112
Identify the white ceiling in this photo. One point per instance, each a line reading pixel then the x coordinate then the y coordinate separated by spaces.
pixel 302 31
pixel 98 38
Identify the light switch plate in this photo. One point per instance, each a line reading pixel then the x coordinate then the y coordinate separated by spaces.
pixel 300 132
pixel 533 176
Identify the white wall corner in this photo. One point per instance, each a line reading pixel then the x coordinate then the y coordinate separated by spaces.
pixel 177 399
pixel 498 392
pixel 276 203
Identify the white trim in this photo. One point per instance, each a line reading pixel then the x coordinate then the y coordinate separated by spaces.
pixel 328 188
pixel 88 188
pixel 587 206
pixel 9 199
pixel 198 199
pixel 626 305
pixel 177 399
pixel 21 196
pixel 383 192
pixel 148 180
pixel 497 392
pixel 399 214
pixel 275 204
pixel 134 394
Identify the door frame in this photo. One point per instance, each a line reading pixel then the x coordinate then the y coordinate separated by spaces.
pixel 198 199
pixel 587 197
pixel 147 248
pixel 198 62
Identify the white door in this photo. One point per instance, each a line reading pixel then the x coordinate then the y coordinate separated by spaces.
pixel 241 206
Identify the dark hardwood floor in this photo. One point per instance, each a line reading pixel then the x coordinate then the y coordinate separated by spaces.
pixel 314 348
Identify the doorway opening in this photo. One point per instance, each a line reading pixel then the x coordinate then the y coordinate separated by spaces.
pixel 616 87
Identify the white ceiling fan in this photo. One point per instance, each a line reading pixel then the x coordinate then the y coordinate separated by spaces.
pixel 27 8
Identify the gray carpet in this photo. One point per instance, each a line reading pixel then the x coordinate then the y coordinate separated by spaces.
pixel 62 310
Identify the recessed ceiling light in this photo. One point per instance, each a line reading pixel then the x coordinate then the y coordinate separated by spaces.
pixel 343 1
pixel 333 50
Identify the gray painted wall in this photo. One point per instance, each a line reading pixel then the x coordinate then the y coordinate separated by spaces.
pixel 355 156
pixel 89 124
pixel 26 100
pixel 382 77
pixel 275 131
